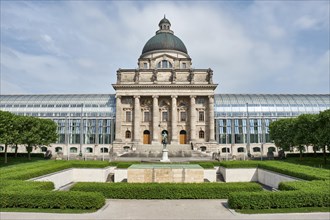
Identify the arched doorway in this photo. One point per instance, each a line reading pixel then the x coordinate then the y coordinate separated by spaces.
pixel 183 137
pixel 146 137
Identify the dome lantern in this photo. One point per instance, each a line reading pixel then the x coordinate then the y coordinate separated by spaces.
pixel 164 39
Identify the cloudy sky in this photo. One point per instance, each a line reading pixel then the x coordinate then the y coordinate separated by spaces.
pixel 77 46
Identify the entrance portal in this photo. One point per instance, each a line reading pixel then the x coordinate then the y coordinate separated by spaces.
pixel 183 137
pixel 146 137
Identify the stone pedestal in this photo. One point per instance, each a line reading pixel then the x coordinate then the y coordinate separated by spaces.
pixel 165 156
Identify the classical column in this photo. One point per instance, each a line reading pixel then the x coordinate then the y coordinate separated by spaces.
pixel 137 116
pixel 192 118
pixel 211 118
pixel 119 118
pixel 174 119
pixel 155 120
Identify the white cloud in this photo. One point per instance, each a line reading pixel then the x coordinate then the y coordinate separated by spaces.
pixel 76 47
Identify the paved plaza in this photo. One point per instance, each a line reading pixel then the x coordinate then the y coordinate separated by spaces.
pixel 163 209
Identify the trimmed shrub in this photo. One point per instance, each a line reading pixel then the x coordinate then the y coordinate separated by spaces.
pixel 306 155
pixel 240 164
pixel 52 200
pixel 305 185
pixel 9 154
pixel 285 199
pixel 166 190
pixel 205 165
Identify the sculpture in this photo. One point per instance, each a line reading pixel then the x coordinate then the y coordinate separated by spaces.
pixel 164 139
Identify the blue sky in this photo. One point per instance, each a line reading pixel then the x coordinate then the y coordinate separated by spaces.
pixel 77 46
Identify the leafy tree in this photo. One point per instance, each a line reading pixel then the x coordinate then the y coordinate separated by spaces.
pixel 6 130
pixel 304 127
pixel 282 132
pixel 30 135
pixel 47 132
pixel 322 133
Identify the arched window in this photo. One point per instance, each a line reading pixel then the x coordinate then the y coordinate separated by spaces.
pixel 58 149
pixel 240 150
pixel 256 149
pixel 223 150
pixel 203 148
pixel 126 148
pixel 43 149
pixel 73 150
pixel 201 134
pixel 271 149
pixel 2 148
pixel 104 150
pixel 89 150
pixel 128 134
pixel 164 64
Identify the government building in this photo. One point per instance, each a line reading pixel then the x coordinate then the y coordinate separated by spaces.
pixel 163 95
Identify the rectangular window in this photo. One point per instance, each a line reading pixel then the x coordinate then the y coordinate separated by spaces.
pixel 184 65
pixel 128 116
pixel 201 116
pixel 145 65
pixel 164 116
pixel 183 116
pixel 146 116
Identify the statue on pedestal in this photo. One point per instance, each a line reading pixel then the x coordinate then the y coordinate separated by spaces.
pixel 164 140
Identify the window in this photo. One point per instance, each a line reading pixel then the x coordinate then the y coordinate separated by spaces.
pixel 240 150
pixel 183 116
pixel 146 116
pixel 145 65
pixel 184 65
pixel 128 134
pixel 256 149
pixel 43 149
pixel 58 149
pixel 73 150
pixel 89 150
pixel 2 148
pixel 200 116
pixel 104 150
pixel 128 116
pixel 272 149
pixel 201 134
pixel 164 64
pixel 164 116
pixel 225 149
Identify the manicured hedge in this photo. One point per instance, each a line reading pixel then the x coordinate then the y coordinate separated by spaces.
pixel 205 165
pixel 39 168
pixel 9 154
pixel 306 185
pixel 166 190
pixel 306 155
pixel 52 200
pixel 299 171
pixel 284 199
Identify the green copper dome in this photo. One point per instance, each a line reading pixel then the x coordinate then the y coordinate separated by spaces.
pixel 164 39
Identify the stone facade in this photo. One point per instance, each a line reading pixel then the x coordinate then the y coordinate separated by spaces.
pixel 164 94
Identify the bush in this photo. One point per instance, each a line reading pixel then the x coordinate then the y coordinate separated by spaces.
pixel 240 164
pixel 205 165
pixel 166 190
pixel 305 185
pixel 290 155
pixel 285 199
pixel 9 154
pixel 52 200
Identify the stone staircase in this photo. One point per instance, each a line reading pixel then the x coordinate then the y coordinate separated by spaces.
pixel 174 150
pixel 159 148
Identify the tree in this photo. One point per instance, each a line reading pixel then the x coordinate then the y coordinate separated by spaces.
pixel 322 133
pixel 47 132
pixel 282 132
pixel 6 130
pixel 304 127
pixel 30 133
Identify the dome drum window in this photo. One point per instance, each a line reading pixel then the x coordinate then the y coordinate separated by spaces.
pixel 164 64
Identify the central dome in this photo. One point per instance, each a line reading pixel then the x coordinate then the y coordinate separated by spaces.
pixel 164 39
